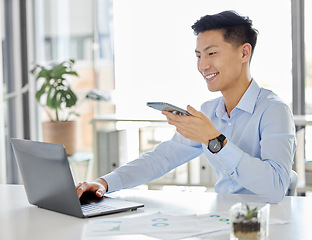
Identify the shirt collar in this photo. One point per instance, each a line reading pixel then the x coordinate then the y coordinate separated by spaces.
pixel 247 102
pixel 249 99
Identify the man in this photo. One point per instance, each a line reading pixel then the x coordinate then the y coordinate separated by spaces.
pixel 247 135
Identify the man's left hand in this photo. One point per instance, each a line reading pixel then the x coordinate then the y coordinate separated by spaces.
pixel 197 127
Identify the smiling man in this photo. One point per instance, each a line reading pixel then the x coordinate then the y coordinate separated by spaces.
pixel 247 135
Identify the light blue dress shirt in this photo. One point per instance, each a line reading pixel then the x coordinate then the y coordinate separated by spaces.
pixel 257 158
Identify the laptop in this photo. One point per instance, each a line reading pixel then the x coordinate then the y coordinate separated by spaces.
pixel 49 184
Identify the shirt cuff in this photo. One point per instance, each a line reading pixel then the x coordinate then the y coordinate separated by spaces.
pixel 229 157
pixel 113 182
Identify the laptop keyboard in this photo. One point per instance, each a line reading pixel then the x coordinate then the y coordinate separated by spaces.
pixel 95 208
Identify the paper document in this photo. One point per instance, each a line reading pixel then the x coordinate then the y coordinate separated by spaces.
pixel 158 225
pixel 161 226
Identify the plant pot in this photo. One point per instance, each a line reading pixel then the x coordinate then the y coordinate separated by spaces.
pixel 63 132
pixel 256 227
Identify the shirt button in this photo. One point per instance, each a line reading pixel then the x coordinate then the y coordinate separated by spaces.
pixel 229 124
pixel 224 171
pixel 221 162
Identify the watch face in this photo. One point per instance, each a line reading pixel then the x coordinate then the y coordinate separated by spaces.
pixel 214 146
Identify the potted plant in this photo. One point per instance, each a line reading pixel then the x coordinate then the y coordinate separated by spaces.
pixel 249 222
pixel 58 100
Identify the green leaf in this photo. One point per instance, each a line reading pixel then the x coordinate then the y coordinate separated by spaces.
pixel 41 92
pixel 72 73
pixel 251 213
pixel 71 101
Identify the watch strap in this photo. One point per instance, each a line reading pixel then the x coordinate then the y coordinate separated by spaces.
pixel 221 138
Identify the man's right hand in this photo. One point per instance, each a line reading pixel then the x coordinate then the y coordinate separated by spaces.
pixel 98 187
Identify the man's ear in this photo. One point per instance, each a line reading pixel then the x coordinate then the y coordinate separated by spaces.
pixel 246 52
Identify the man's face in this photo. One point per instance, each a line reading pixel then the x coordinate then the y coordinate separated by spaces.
pixel 219 62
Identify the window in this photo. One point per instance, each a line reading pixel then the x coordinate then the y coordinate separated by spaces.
pixel 82 33
pixel 154 51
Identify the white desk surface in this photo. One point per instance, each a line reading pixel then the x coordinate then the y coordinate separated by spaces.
pixel 20 220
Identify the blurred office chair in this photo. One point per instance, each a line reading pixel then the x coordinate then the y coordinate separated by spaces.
pixel 292 189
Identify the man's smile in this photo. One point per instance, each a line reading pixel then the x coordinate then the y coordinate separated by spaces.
pixel 211 76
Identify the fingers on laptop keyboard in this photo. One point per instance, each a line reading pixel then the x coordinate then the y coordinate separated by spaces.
pixel 92 187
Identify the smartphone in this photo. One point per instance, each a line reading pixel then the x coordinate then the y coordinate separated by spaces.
pixel 163 106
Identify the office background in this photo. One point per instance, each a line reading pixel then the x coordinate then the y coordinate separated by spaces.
pixel 137 51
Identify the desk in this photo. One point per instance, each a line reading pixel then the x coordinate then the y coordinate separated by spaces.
pixel 20 220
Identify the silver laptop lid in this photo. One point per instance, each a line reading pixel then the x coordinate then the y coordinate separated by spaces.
pixel 46 175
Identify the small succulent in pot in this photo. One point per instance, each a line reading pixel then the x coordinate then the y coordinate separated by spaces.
pixel 249 222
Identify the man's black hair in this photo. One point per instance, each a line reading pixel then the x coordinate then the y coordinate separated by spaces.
pixel 237 29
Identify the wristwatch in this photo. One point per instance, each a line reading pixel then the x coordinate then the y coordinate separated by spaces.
pixel 216 144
